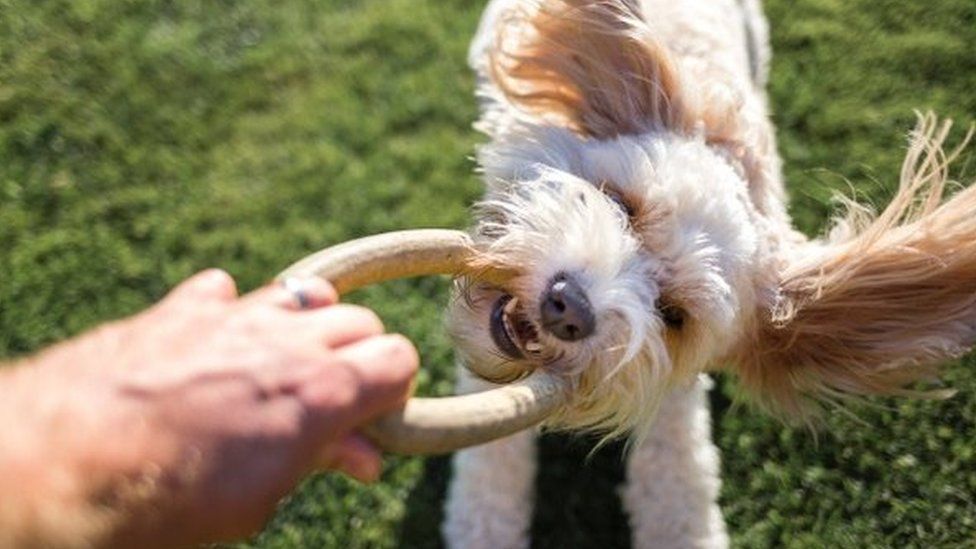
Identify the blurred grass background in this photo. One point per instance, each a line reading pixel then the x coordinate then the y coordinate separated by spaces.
pixel 143 141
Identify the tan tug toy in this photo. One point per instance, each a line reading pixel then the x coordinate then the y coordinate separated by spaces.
pixel 434 425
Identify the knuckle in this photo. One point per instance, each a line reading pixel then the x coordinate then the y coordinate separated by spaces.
pixel 322 288
pixel 345 394
pixel 402 353
pixel 339 389
pixel 286 423
pixel 213 284
pixel 365 319
pixel 220 279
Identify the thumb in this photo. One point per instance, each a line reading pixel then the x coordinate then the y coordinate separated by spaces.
pixel 354 456
pixel 212 284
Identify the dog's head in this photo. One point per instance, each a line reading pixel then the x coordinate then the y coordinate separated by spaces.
pixel 628 207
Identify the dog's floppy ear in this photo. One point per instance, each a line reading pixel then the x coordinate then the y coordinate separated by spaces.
pixel 881 304
pixel 590 65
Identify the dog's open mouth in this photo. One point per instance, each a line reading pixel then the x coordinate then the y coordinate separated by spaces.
pixel 512 331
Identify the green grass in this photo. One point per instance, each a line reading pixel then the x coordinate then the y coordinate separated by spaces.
pixel 143 141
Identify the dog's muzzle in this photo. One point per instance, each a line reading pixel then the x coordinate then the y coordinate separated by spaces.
pixel 565 312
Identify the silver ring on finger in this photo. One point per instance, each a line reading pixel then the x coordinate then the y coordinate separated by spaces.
pixel 296 288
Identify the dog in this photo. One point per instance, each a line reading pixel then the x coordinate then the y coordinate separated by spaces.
pixel 634 186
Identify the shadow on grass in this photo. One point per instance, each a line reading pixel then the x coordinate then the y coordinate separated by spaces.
pixel 420 528
pixel 577 503
pixel 571 484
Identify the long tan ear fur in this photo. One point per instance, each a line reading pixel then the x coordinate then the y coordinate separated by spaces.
pixel 882 304
pixel 591 65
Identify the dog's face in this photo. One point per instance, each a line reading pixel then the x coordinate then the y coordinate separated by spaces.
pixel 632 269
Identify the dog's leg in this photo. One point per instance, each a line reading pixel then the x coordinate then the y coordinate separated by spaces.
pixel 673 477
pixel 489 502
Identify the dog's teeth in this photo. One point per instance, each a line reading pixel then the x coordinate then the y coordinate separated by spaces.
pixel 509 329
pixel 519 329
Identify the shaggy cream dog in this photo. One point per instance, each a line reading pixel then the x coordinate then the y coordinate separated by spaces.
pixel 633 184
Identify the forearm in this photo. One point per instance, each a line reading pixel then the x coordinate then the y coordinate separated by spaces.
pixel 65 479
pixel 41 502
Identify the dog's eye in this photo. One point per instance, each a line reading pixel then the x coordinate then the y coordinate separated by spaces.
pixel 672 315
pixel 618 199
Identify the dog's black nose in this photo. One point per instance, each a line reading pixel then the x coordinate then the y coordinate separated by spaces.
pixel 566 311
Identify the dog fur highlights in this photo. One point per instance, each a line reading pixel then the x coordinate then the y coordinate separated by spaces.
pixel 633 184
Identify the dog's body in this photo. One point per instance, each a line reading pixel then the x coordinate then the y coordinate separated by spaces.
pixel 634 185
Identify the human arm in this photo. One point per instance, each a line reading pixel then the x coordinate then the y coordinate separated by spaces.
pixel 187 422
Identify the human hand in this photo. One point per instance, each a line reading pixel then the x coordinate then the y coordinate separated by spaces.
pixel 192 419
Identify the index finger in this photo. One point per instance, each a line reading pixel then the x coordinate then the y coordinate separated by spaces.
pixel 377 375
pixel 339 325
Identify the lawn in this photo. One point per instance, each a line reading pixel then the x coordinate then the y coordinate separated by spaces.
pixel 143 141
